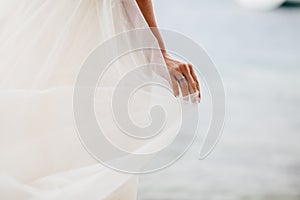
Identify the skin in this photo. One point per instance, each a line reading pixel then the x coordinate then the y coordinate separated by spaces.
pixel 177 68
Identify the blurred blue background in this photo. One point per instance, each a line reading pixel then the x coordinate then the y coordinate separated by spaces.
pixel 258 56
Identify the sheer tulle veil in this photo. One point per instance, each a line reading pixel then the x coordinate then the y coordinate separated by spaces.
pixel 43 44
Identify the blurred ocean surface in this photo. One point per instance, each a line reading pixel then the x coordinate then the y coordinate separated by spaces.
pixel 258 56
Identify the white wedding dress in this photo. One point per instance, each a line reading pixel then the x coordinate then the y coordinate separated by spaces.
pixel 43 44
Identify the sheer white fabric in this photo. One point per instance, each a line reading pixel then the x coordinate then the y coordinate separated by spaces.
pixel 42 46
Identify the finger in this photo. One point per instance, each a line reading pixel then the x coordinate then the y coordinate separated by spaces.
pixel 195 79
pixel 186 72
pixel 184 88
pixel 174 85
pixel 182 84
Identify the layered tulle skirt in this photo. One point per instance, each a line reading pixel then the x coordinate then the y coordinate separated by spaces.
pixel 43 43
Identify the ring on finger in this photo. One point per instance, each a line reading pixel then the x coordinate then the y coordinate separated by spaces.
pixel 182 79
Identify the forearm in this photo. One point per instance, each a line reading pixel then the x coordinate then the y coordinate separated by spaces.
pixel 178 69
pixel 146 8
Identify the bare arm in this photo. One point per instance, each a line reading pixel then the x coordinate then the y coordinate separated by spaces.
pixel 147 10
pixel 178 70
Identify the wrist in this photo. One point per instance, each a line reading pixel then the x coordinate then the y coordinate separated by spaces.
pixel 164 53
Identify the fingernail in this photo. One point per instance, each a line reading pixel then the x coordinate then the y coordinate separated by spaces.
pixel 199 99
pixel 194 97
pixel 186 98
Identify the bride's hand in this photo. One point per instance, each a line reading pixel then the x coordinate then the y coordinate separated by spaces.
pixel 182 76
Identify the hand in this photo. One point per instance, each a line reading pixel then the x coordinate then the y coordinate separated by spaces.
pixel 182 76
